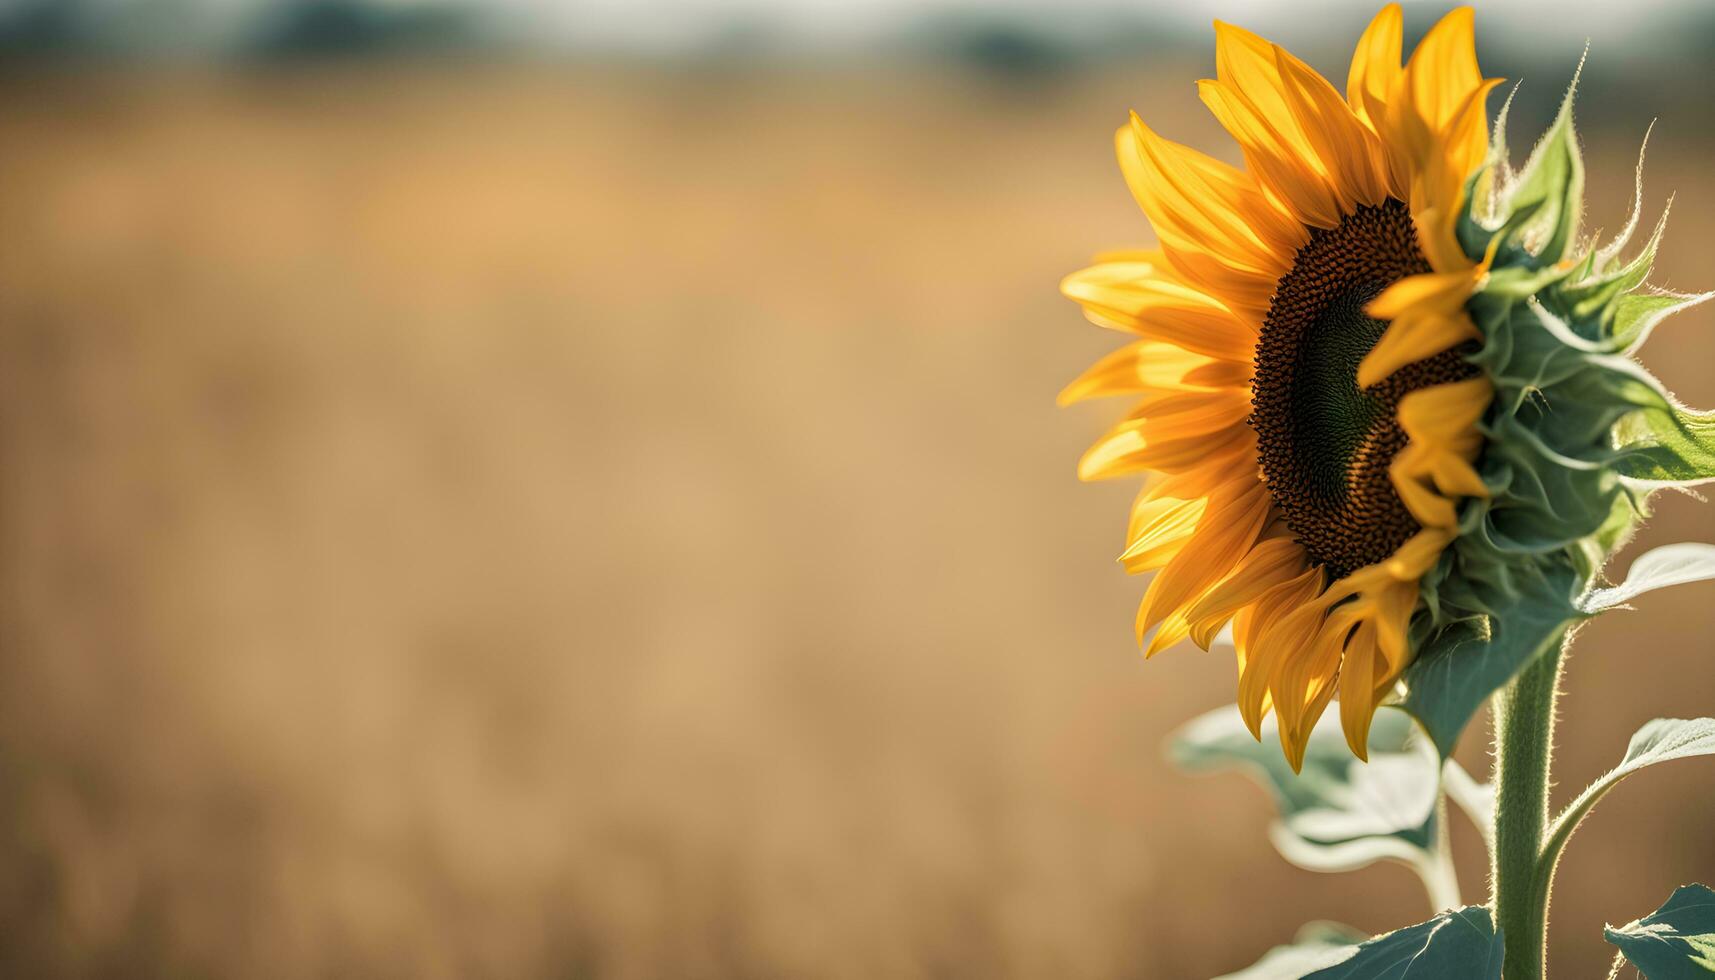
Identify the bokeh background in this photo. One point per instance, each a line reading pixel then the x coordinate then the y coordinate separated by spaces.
pixel 574 490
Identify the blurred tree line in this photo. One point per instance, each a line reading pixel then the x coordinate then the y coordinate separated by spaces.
pixel 52 30
pixel 1019 48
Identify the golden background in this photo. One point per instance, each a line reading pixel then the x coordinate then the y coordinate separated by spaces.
pixel 584 521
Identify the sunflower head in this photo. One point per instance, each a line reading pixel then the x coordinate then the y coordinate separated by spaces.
pixel 1350 358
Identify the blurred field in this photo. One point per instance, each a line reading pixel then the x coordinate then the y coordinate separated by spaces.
pixel 564 523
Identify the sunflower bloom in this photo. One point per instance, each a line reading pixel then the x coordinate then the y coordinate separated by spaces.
pixel 1326 357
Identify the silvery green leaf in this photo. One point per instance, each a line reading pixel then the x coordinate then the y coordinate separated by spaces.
pixel 1676 941
pixel 1338 813
pixel 1459 943
pixel 1382 806
pixel 1674 564
pixel 1476 799
pixel 1317 945
pixel 1662 740
pixel 1349 855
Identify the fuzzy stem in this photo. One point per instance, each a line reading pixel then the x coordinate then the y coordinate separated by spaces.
pixel 1524 746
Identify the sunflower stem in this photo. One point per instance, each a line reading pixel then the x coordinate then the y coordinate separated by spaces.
pixel 1524 749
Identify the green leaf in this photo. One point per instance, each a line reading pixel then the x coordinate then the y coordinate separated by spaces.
pixel 1317 945
pixel 1460 943
pixel 1338 814
pixel 1460 665
pixel 1676 941
pixel 1674 564
pixel 1662 740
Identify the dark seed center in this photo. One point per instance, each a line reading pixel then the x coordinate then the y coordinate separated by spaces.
pixel 1325 444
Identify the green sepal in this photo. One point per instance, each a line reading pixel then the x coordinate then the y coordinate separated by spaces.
pixel 1664 442
pixel 1544 202
pixel 1577 435
pixel 1676 941
pixel 1514 283
pixel 1483 191
pixel 1473 236
pixel 1591 297
pixel 1625 511
pixel 1636 315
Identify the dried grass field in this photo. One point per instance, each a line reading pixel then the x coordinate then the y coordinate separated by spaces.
pixel 549 522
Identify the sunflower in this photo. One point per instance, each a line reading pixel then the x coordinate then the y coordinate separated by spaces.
pixel 1388 410
pixel 1307 416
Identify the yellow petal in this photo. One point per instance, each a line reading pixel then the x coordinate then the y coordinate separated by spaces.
pixel 1229 527
pixel 1392 618
pixel 1198 203
pixel 1290 641
pixel 1444 161
pixel 1221 374
pixel 1271 562
pixel 1220 466
pixel 1429 508
pixel 1440 423
pixel 1357 688
pixel 1376 67
pixel 1308 685
pixel 1284 163
pixel 1196 412
pixel 1457 477
pixel 1357 164
pixel 1149 366
pixel 1217 229
pixel 1258 659
pixel 1158 529
pixel 1375 655
pixel 1149 277
pixel 1409 339
pixel 1172 629
pixel 1417 555
pixel 1442 292
pixel 1443 70
pixel 1446 412
pixel 1244 63
pixel 1138 297
pixel 1466 138
pixel 1126 449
